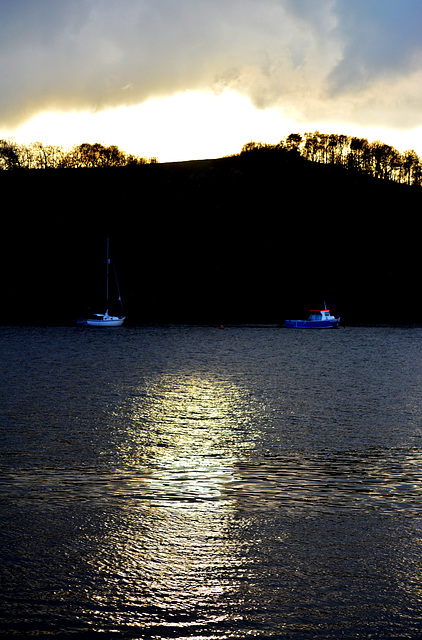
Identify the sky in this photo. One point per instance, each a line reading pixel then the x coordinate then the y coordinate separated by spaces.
pixel 191 79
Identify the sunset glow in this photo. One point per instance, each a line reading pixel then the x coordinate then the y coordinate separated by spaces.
pixel 189 125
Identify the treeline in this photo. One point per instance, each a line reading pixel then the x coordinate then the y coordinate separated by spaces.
pixel 375 159
pixel 40 156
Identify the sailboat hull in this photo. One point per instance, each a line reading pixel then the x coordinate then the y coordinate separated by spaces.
pixel 104 321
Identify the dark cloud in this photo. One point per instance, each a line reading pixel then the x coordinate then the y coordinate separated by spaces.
pixel 314 58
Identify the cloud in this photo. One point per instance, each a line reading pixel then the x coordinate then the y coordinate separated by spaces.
pixel 313 58
pixel 379 78
pixel 379 38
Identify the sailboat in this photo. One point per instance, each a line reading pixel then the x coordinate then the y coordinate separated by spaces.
pixel 105 319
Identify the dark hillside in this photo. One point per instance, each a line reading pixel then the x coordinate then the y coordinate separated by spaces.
pixel 253 238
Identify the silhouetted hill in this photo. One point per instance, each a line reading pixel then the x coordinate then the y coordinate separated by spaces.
pixel 252 238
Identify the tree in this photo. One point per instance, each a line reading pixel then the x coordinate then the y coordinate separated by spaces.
pixel 343 147
pixel 310 147
pixel 382 159
pixel 410 166
pixel 89 155
pixel 251 146
pixel 293 141
pixel 44 156
pixel 10 157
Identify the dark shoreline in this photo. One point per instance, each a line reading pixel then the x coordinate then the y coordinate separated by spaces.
pixel 246 240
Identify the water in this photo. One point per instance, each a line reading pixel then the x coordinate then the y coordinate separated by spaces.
pixel 187 482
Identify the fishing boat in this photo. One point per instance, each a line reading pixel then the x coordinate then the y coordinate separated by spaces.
pixel 105 319
pixel 319 319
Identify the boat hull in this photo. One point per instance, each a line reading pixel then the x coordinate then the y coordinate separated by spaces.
pixel 110 321
pixel 312 324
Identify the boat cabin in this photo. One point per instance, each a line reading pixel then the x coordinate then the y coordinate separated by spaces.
pixel 320 314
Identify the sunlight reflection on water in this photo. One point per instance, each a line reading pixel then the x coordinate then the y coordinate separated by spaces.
pixel 185 435
pixel 164 561
pixel 218 484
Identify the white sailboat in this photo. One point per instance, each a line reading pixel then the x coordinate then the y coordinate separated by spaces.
pixel 104 319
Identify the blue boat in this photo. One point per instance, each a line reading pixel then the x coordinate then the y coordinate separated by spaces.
pixel 319 319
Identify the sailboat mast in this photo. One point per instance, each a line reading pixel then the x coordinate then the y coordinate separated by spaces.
pixel 108 263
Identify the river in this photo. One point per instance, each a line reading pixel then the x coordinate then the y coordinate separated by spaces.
pixel 191 482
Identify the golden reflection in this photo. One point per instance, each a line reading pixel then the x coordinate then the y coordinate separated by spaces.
pixel 173 553
pixel 173 566
pixel 184 436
